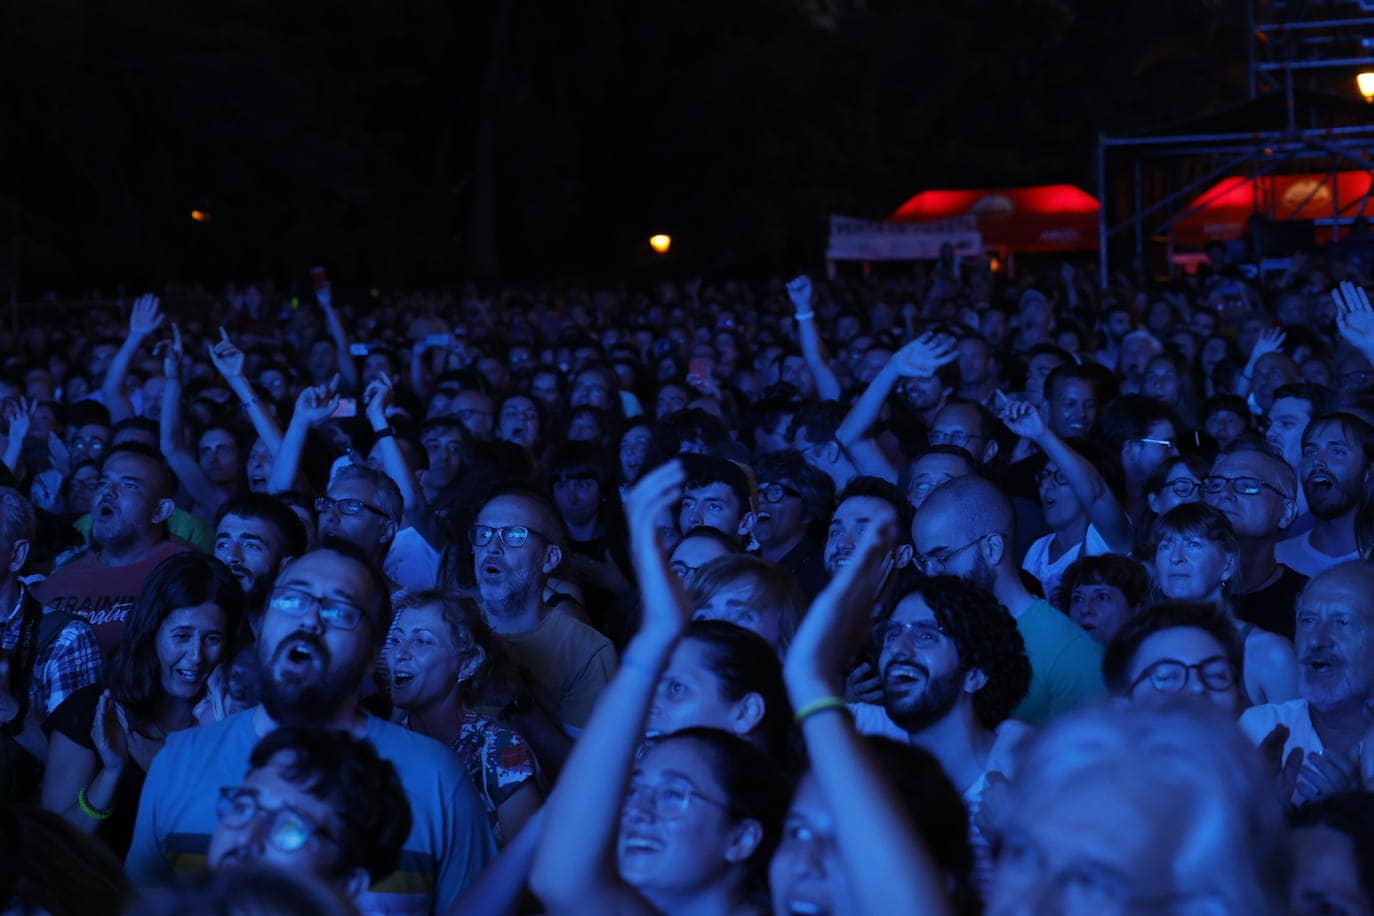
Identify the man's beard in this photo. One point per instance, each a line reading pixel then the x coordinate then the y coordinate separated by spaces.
pixel 982 574
pixel 1330 502
pixel 117 534
pixel 310 698
pixel 919 712
pixel 507 595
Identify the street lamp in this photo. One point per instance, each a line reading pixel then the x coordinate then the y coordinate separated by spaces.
pixel 1365 81
pixel 661 243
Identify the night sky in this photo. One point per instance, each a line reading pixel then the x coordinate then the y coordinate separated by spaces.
pixel 421 142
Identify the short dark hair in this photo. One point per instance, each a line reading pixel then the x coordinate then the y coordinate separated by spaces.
pixel 1319 396
pixel 1120 572
pixel 1232 403
pixel 704 470
pixel 360 785
pixel 816 488
pixel 877 488
pixel 166 483
pixel 744 663
pixel 381 619
pixel 1168 615
pixel 182 580
pixel 1350 813
pixel 1070 372
pixel 272 510
pixel 1129 417
pixel 817 422
pixel 985 636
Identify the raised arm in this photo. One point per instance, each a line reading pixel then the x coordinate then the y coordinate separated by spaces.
pixel 144 320
pixel 920 358
pixel 20 416
pixel 884 859
pixel 1101 505
pixel 314 404
pixel 348 369
pixel 1355 317
pixel 376 399
pixel 207 496
pixel 1269 341
pixel 575 865
pixel 228 359
pixel 813 351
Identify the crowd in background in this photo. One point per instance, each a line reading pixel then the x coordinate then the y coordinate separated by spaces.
pixel 933 591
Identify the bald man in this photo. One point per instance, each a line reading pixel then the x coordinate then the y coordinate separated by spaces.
pixel 1257 492
pixel 516 545
pixel 965 528
pixel 1334 711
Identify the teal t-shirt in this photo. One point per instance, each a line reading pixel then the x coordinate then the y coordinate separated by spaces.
pixel 449 844
pixel 1066 664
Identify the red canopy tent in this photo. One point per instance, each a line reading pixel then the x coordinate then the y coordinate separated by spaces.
pixel 1054 217
pixel 1221 212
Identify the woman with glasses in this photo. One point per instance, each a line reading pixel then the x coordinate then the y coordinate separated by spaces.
pixel 433 655
pixel 1178 481
pixel 687 823
pixel 103 742
pixel 1195 554
pixel 1177 649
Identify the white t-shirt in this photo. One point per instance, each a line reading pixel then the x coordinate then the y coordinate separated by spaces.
pixel 1038 563
pixel 1297 553
pixel 411 562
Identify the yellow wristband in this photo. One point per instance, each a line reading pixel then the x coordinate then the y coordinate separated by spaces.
pixel 821 705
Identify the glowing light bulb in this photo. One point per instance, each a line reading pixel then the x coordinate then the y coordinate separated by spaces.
pixel 661 243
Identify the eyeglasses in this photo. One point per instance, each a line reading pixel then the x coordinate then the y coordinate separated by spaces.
pixel 1244 486
pixel 1169 675
pixel 925 635
pixel 682 570
pixel 294 603
pixel 933 564
pixel 509 536
pixel 287 831
pixel 669 801
pixel 955 437
pixel 1181 487
pixel 775 492
pixel 1054 474
pixel 348 507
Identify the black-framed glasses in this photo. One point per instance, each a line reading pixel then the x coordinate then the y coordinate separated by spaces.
pixel 955 437
pixel 1182 487
pixel 513 536
pixel 1243 486
pixel 775 492
pixel 350 506
pixel 932 564
pixel 924 634
pixel 682 570
pixel 1054 474
pixel 294 602
pixel 1169 675
pixel 668 801
pixel 287 831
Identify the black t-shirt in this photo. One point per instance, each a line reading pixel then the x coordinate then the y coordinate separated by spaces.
pixel 806 561
pixel 1273 608
pixel 74 719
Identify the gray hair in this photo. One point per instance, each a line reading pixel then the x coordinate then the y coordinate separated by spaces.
pixel 388 494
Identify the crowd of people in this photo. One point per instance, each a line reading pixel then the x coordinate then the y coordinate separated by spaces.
pixel 941 592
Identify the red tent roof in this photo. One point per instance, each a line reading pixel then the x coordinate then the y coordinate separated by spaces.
pixel 1053 217
pixel 1220 212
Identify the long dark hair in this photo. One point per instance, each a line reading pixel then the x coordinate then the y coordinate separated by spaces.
pixel 184 580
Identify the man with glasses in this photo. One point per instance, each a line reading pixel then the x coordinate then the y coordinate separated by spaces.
pixel 966 529
pixel 476 412
pixel 1337 450
pixel 1256 491
pixel 967 425
pixel 517 543
pixel 933 466
pixel 325 623
pixel 363 507
pixel 792 496
pixel 953 667
pixel 314 802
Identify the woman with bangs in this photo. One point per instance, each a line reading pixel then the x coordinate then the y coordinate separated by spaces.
pixel 584 490
pixel 1194 554
pixel 751 593
pixel 1178 481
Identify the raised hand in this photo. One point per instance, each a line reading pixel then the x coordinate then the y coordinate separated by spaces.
pixel 171 353
pixel 60 455
pixel 228 359
pixel 665 607
pixel 20 416
pixel 376 398
pixel 838 622
pixel 144 318
pixel 1021 417
pixel 799 291
pixel 923 356
pixel 1270 340
pixel 315 403
pixel 1354 315
pixel 110 733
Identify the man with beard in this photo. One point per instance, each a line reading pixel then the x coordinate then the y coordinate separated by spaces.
pixel 305 783
pixel 516 545
pixel 792 496
pixel 1336 454
pixel 1321 733
pixel 1255 490
pixel 953 666
pixel 132 500
pixel 1292 411
pixel 325 623
pixel 255 536
pixel 965 528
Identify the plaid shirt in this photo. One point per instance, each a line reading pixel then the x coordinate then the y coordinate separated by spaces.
pixel 71 661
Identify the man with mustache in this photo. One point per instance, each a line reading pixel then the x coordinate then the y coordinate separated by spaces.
pixel 1321 733
pixel 325 622
pixel 1335 466
pixel 316 802
pixel 255 536
pixel 953 666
